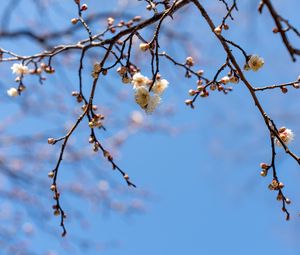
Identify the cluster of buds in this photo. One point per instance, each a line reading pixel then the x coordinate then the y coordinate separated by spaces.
pixel 56 196
pixel 122 23
pixel 284 89
pixel 229 79
pixel 96 121
pixel 264 169
pixel 110 24
pixel 200 90
pixel 216 85
pixel 218 30
pixel 56 211
pixel 78 96
pixel 107 155
pixel 127 72
pixel 95 143
pixel 96 146
pixel 47 68
pixel 189 62
pixel 96 70
pixel 276 185
pixel 122 71
pixel 37 70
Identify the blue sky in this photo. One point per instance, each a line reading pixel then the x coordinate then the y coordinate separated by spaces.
pixel 207 196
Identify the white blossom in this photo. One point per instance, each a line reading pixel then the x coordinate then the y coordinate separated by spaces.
pixel 255 62
pixel 160 86
pixel 286 135
pixel 12 92
pixel 139 80
pixel 19 69
pixel 142 96
pixel 153 103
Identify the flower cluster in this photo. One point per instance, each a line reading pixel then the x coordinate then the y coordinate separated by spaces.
pixel 141 85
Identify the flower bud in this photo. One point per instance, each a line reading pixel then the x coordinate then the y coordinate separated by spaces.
pixel 189 61
pixel 263 173
pixel 74 21
pixel 188 102
pixel 137 18
pixel 51 140
pixel 192 92
pixel 218 30
pixel 144 46
pixel 84 7
pixel 56 212
pixel 110 21
pixel 284 90
pixel 264 166
pixel 51 174
pixel 225 26
pixel 126 80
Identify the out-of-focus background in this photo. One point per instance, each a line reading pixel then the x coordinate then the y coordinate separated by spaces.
pixel 197 171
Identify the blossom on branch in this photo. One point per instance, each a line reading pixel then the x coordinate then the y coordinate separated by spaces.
pixel 153 103
pixel 255 62
pixel 143 89
pixel 142 96
pixel 19 69
pixel 160 86
pixel 286 135
pixel 12 92
pixel 139 80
